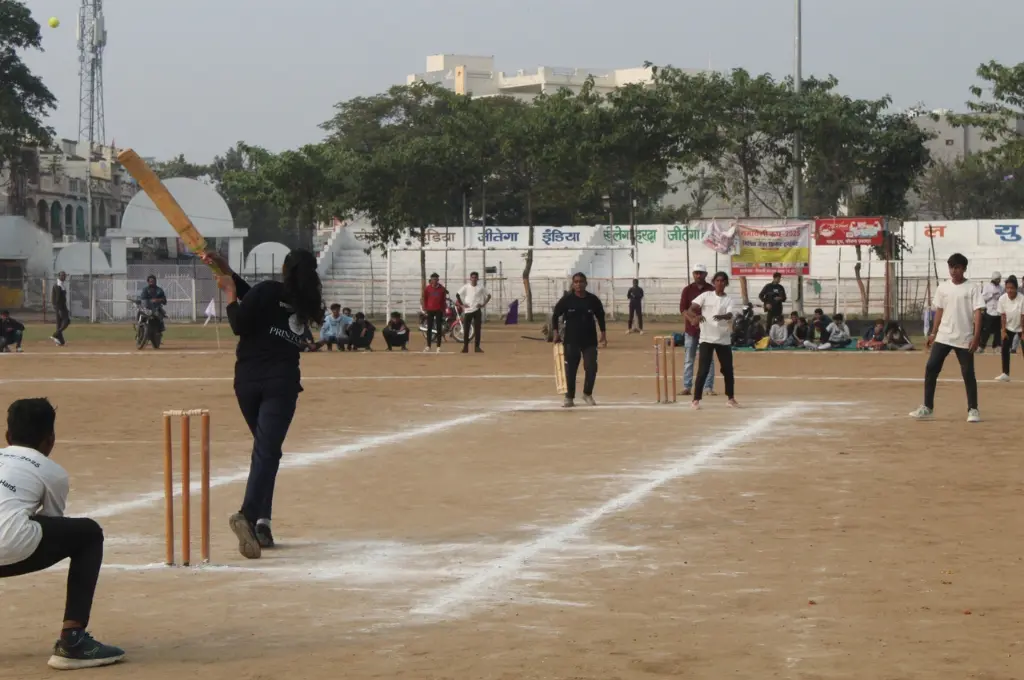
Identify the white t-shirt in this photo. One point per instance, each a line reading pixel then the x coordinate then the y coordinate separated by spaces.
pixel 1013 310
pixel 838 331
pixel 958 303
pixel 473 297
pixel 30 484
pixel 711 331
pixel 990 294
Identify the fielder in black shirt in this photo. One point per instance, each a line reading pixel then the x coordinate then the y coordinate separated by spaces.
pixel 580 310
pixel 270 320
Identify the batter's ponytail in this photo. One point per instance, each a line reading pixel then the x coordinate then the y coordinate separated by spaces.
pixel 302 287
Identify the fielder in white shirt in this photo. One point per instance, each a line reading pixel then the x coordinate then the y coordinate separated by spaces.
pixel 1011 309
pixel 957 328
pixel 35 535
pixel 472 297
pixel 990 326
pixel 713 313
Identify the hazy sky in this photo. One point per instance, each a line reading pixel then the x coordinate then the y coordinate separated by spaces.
pixel 195 76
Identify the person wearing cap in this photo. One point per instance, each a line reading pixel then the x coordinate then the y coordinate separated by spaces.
pixel 59 301
pixel 691 333
pixel 773 295
pixel 991 322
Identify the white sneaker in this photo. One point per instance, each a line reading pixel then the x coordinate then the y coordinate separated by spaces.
pixel 438 350
pixel 922 413
pixel 426 349
pixel 973 416
pixel 1003 378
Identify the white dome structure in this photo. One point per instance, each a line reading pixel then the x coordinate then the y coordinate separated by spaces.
pixel 74 260
pixel 203 205
pixel 266 258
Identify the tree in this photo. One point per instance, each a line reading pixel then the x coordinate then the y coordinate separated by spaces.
pixel 180 167
pixel 998 117
pixel 974 187
pixel 24 100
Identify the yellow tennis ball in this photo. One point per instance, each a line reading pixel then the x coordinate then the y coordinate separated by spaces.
pixel 54 22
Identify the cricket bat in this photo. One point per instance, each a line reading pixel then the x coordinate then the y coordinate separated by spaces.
pixel 165 203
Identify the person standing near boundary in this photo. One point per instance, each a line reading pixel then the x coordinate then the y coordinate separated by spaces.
pixel 773 295
pixel 958 323
pixel 1011 309
pixel 713 312
pixel 580 310
pixel 691 333
pixel 472 297
pixel 270 320
pixel 434 300
pixel 991 325
pixel 35 534
pixel 59 302
pixel 635 295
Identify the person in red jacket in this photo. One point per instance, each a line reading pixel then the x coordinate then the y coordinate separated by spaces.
pixel 692 335
pixel 434 299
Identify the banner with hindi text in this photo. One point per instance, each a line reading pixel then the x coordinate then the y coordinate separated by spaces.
pixel 766 250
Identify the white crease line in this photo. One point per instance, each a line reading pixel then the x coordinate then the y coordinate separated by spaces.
pixel 469 376
pixel 499 572
pixel 296 460
pixel 136 353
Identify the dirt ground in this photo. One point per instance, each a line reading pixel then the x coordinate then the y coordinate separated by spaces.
pixel 439 516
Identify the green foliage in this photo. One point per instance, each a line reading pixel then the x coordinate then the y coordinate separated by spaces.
pixel 24 100
pixel 998 114
pixel 180 167
pixel 975 187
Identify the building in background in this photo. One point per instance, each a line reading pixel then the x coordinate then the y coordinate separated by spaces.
pixel 54 191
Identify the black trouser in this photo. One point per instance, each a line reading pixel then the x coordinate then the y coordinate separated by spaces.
pixel 934 367
pixel 1007 349
pixel 63 321
pixel 13 339
pixel 81 539
pixel 636 309
pixel 432 319
pixel 268 410
pixel 360 341
pixel 990 326
pixel 771 314
pixel 394 338
pixel 471 320
pixel 573 355
pixel 705 355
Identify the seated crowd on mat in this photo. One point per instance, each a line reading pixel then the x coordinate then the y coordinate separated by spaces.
pixel 818 333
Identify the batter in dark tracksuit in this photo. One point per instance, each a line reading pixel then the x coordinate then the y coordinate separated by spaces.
pixel 580 310
pixel 267 384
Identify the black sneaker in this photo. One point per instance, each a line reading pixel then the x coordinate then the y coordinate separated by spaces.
pixel 264 535
pixel 77 649
pixel 248 544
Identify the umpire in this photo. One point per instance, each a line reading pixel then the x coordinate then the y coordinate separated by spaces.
pixel 580 309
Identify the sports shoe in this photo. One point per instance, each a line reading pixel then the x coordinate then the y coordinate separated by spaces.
pixel 248 544
pixel 921 413
pixel 263 534
pixel 589 400
pixel 568 402
pixel 1003 378
pixel 732 403
pixel 973 416
pixel 77 649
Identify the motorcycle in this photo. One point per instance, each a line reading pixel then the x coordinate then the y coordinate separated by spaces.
pixel 453 326
pixel 148 324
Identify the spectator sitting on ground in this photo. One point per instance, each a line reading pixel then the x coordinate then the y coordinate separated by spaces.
pixel 802 334
pixel 396 333
pixel 874 337
pixel 794 317
pixel 896 338
pixel 360 333
pixel 819 326
pixel 11 332
pixel 838 335
pixel 331 332
pixel 778 335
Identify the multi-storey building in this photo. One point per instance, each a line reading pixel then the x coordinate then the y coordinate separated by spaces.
pixel 55 190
